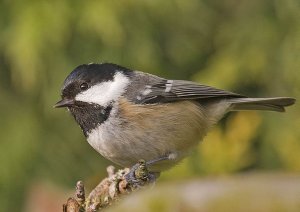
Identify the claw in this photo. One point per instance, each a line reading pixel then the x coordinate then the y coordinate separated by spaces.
pixel 139 175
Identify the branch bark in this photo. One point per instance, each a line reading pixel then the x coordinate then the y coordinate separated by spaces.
pixel 108 191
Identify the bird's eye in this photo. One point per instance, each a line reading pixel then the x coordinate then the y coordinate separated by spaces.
pixel 84 86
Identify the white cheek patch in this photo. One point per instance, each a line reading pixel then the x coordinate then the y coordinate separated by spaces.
pixel 105 92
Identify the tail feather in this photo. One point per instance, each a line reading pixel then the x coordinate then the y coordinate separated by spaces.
pixel 273 104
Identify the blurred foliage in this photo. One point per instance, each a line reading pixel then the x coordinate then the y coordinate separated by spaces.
pixel 250 47
pixel 244 192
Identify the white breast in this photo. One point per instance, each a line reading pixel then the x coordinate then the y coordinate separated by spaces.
pixel 103 138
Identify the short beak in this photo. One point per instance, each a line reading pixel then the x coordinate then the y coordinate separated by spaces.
pixel 64 103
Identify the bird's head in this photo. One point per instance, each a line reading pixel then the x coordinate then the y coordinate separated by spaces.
pixel 90 90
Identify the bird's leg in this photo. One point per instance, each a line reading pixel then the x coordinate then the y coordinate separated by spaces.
pixel 157 160
pixel 139 174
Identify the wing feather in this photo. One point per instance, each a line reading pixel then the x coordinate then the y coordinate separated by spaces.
pixel 176 90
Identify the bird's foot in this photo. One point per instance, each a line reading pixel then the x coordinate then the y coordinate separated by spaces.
pixel 139 175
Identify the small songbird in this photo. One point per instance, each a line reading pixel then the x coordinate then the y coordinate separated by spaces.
pixel 129 115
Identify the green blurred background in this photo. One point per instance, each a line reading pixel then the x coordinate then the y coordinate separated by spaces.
pixel 249 47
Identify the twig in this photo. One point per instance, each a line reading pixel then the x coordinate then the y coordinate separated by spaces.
pixel 108 191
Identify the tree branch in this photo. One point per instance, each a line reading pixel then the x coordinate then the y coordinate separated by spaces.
pixel 108 191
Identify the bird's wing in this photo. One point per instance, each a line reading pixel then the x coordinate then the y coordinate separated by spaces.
pixel 177 90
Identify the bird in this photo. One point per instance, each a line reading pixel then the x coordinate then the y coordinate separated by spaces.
pixel 128 115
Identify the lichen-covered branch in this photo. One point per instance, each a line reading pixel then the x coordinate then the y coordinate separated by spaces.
pixel 108 191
